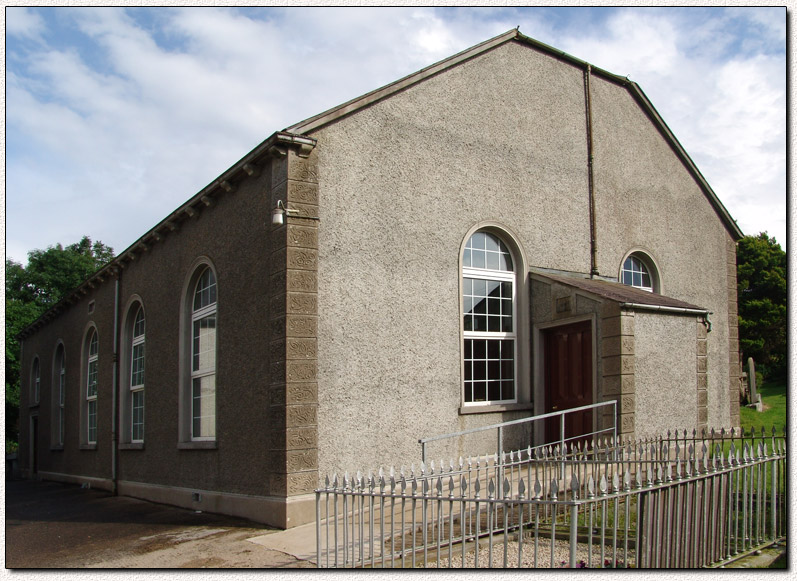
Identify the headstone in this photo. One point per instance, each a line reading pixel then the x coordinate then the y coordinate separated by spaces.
pixel 755 398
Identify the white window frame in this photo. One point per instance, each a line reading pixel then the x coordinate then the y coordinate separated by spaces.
pixel 91 397
pixel 643 265
pixel 59 381
pixel 137 389
pixel 36 381
pixel 498 276
pixel 209 371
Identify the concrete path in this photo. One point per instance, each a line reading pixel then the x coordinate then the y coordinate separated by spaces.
pixel 86 528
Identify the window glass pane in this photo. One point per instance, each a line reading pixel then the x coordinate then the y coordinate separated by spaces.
pixel 480 391
pixel 478 259
pixel 494 391
pixel 204 344
pixel 479 349
pixel 508 390
pixel 138 326
pixel 205 293
pixel 138 415
pixel 480 305
pixel 92 421
pixel 479 287
pixel 137 366
pixel 480 323
pixel 492 261
pixel 479 369
pixel 478 240
pixel 467 261
pixel 504 263
pixel 204 407
pixel 91 386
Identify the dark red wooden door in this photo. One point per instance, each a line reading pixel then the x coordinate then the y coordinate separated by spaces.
pixel 568 378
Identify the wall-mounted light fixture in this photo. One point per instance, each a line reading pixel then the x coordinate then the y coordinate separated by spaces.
pixel 278 213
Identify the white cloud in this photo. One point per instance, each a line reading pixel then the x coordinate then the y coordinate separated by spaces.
pixel 729 112
pixel 114 125
pixel 23 23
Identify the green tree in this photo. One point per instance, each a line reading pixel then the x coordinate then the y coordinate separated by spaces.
pixel 761 280
pixel 30 290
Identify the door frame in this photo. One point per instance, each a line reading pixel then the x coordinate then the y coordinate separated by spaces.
pixel 539 366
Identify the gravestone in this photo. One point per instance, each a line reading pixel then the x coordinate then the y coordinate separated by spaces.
pixel 755 398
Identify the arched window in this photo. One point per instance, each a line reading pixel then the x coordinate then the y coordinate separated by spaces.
pixel 59 395
pixel 137 358
pixel 203 357
pixel 489 326
pixel 35 382
pixel 639 271
pixel 92 373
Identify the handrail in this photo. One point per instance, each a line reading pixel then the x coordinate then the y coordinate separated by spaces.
pixel 500 427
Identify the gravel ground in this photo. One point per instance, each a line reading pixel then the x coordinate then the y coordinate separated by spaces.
pixel 561 549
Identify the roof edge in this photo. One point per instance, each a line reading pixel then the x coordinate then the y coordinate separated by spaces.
pixel 353 105
pixel 330 115
pixel 641 98
pixel 224 183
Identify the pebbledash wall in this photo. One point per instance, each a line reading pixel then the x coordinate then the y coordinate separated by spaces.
pixel 406 180
pixel 340 334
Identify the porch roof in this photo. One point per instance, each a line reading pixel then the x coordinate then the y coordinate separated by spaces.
pixel 617 292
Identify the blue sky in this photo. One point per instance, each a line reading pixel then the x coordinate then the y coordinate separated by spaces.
pixel 115 116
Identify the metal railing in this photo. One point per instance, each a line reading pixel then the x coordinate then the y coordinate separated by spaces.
pixel 562 414
pixel 681 501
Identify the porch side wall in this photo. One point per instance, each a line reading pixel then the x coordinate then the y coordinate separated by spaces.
pixel 665 379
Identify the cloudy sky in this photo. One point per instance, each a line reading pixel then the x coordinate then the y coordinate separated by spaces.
pixel 116 116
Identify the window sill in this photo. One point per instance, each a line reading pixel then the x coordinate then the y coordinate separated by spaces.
pixel 88 446
pixel 201 445
pixel 487 409
pixel 57 448
pixel 132 446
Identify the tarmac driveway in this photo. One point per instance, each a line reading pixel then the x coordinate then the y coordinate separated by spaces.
pixel 54 525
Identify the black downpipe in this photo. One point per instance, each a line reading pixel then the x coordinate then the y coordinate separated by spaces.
pixel 593 243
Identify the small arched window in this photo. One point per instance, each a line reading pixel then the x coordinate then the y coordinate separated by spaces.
pixel 203 357
pixel 638 271
pixel 489 329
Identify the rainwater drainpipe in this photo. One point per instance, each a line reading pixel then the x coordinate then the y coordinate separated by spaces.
pixel 115 384
pixel 593 243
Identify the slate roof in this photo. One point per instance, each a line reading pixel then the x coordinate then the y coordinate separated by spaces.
pixel 620 293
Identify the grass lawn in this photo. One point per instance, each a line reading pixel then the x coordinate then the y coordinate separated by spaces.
pixel 773 396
